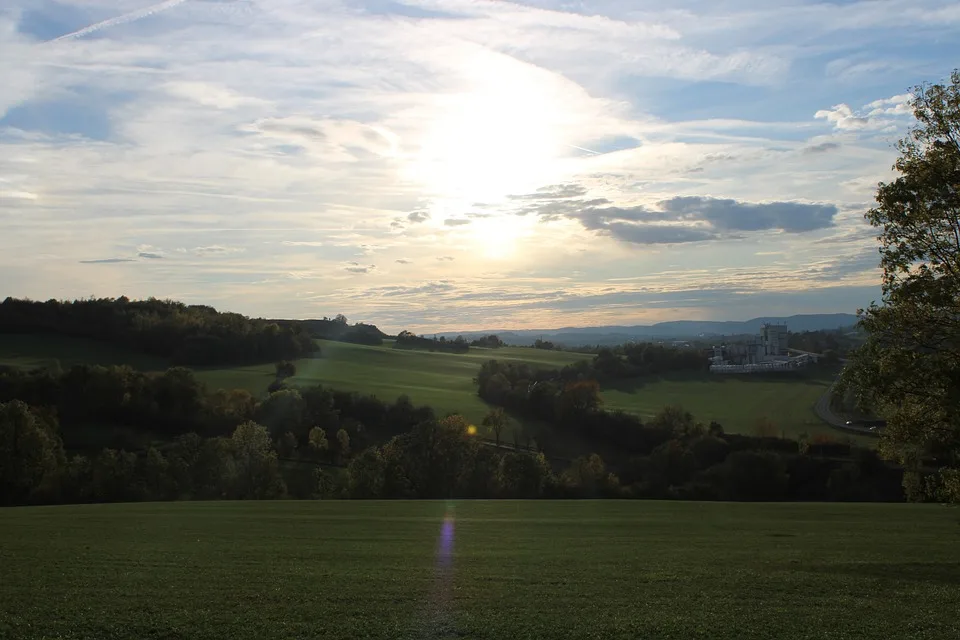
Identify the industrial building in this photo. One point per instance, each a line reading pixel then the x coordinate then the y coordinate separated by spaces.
pixel 765 352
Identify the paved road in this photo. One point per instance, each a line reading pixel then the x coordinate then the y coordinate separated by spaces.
pixel 825 413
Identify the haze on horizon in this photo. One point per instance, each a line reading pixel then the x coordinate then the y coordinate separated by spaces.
pixel 429 164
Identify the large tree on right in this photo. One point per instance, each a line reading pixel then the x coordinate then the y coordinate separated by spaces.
pixel 909 369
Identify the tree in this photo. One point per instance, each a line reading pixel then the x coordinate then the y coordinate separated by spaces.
pixel 496 420
pixel 285 369
pixel 287 445
pixel 282 411
pixel 30 451
pixel 366 474
pixel 578 398
pixel 343 443
pixel 257 468
pixel 908 370
pixel 318 441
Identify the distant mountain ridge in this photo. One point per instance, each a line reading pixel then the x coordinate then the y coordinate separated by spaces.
pixel 677 329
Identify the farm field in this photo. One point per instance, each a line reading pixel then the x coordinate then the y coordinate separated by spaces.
pixel 736 402
pixel 489 570
pixel 445 381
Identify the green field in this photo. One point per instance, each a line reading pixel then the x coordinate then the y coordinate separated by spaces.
pixel 445 381
pixel 442 380
pixel 736 402
pixel 480 570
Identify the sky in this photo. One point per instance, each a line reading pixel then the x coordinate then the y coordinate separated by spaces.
pixel 457 164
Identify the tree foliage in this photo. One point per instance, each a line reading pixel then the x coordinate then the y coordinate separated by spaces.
pixel 187 334
pixel 908 371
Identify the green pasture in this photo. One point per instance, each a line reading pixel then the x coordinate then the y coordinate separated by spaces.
pixel 483 570
pixel 445 380
pixel 736 402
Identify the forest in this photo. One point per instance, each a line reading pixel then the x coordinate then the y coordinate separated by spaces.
pixel 185 334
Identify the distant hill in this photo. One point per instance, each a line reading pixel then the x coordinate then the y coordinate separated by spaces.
pixel 679 330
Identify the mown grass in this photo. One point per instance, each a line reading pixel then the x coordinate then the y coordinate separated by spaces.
pixel 508 570
pixel 445 381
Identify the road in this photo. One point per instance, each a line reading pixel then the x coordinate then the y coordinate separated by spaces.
pixel 825 413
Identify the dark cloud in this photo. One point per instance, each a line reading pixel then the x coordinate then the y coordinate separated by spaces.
pixel 418 216
pixel 678 219
pixel 446 258
pixel 822 147
pixel 656 233
pixel 455 222
pixel 107 261
pixel 150 256
pixel 723 214
pixel 404 261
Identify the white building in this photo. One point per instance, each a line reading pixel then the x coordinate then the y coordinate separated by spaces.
pixel 766 352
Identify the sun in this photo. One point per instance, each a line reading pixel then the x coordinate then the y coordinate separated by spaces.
pixel 501 236
pixel 498 137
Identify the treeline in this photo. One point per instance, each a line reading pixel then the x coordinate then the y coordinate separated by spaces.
pixel 492 341
pixel 673 455
pixel 185 334
pixel 340 330
pixel 408 340
pixel 175 402
pixel 433 459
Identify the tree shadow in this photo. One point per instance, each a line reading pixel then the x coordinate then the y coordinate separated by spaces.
pixel 943 573
pixel 629 385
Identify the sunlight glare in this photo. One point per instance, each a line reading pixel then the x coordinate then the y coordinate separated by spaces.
pixel 496 139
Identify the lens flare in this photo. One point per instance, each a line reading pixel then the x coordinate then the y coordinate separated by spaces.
pixel 441 602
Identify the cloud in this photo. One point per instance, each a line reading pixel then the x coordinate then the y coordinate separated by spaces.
pixel 217 250
pixel 551 192
pixel 121 19
pixel 688 218
pixel 107 261
pixel 446 259
pixel 355 267
pixel 731 215
pixel 302 243
pixel 652 233
pixel 880 115
pixel 427 288
pixel 403 261
pixel 149 255
pixel 821 147
pixel 418 216
pixel 897 105
pixel 455 222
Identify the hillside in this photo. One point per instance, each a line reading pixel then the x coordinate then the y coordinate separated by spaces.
pixel 445 381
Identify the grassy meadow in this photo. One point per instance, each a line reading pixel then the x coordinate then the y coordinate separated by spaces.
pixel 445 380
pixel 472 569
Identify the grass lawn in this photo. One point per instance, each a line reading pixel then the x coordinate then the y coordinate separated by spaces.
pixel 480 570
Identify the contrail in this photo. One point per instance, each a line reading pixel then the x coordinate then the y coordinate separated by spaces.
pixel 125 18
pixel 573 146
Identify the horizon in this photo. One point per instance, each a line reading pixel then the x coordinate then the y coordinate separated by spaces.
pixel 454 162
